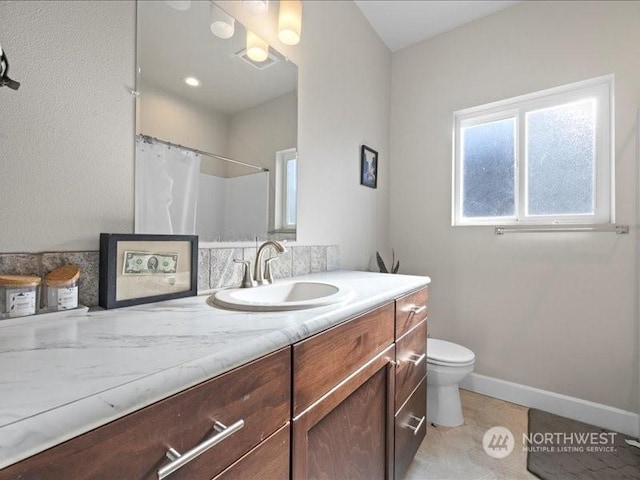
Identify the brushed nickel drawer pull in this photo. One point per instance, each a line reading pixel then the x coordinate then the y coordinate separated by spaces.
pixel 178 461
pixel 416 359
pixel 417 427
pixel 417 310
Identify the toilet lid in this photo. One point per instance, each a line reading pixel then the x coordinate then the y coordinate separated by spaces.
pixel 443 352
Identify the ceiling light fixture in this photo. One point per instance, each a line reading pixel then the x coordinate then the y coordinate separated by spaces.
pixel 192 81
pixel 256 7
pixel 179 4
pixel 290 21
pixel 257 48
pixel 222 24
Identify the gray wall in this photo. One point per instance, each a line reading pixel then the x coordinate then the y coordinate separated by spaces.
pixel 553 311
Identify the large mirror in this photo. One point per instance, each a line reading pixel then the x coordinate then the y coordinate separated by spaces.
pixel 216 132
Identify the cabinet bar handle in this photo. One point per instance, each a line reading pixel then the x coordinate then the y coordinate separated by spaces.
pixel 417 310
pixel 178 461
pixel 416 359
pixel 417 427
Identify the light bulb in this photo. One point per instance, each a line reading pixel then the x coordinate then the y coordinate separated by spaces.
pixel 257 48
pixel 256 7
pixel 290 21
pixel 179 4
pixel 222 24
pixel 192 81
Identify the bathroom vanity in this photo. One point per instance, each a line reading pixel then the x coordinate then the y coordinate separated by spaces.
pixel 331 392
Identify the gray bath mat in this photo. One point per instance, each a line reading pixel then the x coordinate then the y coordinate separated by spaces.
pixel 564 449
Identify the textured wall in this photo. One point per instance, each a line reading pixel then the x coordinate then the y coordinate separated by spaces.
pixel 553 311
pixel 67 134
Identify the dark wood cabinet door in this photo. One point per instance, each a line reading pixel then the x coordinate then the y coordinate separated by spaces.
pixel 349 432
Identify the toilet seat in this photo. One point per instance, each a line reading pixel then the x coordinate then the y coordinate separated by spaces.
pixel 441 352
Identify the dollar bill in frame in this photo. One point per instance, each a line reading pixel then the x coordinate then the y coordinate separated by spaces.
pixel 139 268
pixel 150 263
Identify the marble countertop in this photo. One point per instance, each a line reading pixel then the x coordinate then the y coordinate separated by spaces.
pixel 65 375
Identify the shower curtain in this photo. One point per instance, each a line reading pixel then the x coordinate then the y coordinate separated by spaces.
pixel 166 189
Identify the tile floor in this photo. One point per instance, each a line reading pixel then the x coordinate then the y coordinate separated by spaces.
pixel 457 453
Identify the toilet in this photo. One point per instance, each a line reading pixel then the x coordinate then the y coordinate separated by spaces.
pixel 447 365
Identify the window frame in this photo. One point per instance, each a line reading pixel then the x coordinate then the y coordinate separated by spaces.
pixel 282 190
pixel 602 89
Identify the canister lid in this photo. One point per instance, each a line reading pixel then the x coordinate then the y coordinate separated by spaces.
pixel 19 281
pixel 64 276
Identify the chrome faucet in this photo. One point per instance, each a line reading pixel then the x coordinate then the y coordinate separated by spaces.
pixel 260 272
pixel 247 280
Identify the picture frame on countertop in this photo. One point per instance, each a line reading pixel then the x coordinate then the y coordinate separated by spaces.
pixel 144 268
pixel 368 167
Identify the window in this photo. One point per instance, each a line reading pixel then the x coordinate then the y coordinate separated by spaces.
pixel 286 190
pixel 543 158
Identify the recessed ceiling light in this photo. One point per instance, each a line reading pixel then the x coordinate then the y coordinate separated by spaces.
pixel 192 81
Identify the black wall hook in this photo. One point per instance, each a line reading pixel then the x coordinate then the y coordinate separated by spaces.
pixel 4 73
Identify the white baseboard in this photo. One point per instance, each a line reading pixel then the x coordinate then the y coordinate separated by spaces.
pixel 582 410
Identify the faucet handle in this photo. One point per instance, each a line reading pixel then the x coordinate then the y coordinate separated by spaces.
pixel 247 279
pixel 268 275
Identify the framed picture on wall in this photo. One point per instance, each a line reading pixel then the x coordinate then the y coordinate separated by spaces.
pixel 137 269
pixel 368 167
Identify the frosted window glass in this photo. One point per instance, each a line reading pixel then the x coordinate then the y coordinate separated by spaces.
pixel 291 192
pixel 561 159
pixel 489 169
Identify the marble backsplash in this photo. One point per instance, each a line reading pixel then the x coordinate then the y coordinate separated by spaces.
pixel 216 268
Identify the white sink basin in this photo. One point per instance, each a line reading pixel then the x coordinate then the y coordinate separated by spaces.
pixel 280 296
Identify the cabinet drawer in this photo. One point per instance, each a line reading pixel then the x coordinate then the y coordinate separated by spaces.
pixel 268 461
pixel 410 310
pixel 324 360
pixel 410 429
pixel 411 352
pixel 134 446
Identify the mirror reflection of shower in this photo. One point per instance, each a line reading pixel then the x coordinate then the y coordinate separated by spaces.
pixel 173 196
pixel 198 88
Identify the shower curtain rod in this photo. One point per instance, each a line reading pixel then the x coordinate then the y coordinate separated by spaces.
pixel 605 227
pixel 149 139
